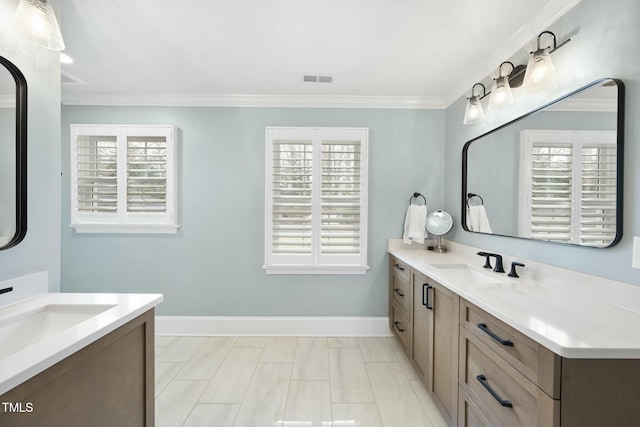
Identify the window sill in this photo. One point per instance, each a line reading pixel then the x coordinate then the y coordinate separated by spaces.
pixel 126 228
pixel 323 269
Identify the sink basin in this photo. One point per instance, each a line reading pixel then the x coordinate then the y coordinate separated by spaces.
pixel 28 328
pixel 462 272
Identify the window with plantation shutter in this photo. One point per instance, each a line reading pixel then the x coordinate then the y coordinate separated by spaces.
pixel 123 179
pixel 316 201
pixel 568 179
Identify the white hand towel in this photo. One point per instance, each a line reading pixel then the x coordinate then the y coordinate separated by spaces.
pixel 414 224
pixel 477 219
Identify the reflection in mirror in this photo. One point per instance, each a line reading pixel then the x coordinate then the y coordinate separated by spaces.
pixel 554 174
pixel 439 223
pixel 13 133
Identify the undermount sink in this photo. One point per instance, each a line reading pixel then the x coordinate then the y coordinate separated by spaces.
pixel 462 272
pixel 28 328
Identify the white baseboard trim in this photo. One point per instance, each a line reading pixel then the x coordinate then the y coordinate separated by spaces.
pixel 273 326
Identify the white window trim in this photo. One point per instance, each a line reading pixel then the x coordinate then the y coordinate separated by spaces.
pixel 123 222
pixel 316 263
pixel 577 139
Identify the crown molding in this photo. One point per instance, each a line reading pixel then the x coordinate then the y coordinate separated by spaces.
pixel 290 101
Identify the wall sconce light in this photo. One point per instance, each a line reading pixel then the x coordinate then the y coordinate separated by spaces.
pixel 474 112
pixel 501 90
pixel 540 69
pixel 36 22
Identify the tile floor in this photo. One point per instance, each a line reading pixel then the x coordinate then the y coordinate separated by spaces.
pixel 288 382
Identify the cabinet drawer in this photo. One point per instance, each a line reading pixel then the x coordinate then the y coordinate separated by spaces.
pixel 502 394
pixel 400 269
pixel 469 415
pixel 534 361
pixel 401 327
pixel 401 293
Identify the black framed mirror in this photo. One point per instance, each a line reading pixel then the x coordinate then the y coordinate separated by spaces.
pixel 554 174
pixel 13 155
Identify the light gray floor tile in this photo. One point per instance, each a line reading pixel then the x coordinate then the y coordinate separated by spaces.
pixel 407 367
pixel 311 360
pixel 376 349
pixel 176 401
pixel 348 376
pixel 164 340
pixel 205 362
pixel 343 342
pixel 308 404
pixel 279 350
pixel 397 402
pixel 232 379
pixel 250 342
pixel 180 350
pixel 212 415
pixel 437 420
pixel 355 415
pixel 264 403
pixel 165 373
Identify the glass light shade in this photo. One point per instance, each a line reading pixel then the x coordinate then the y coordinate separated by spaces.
pixel 500 93
pixel 36 22
pixel 474 112
pixel 540 71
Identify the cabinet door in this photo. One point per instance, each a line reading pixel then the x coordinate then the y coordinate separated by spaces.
pixel 446 310
pixel 422 352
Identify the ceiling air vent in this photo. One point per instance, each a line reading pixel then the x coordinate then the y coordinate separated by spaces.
pixel 317 79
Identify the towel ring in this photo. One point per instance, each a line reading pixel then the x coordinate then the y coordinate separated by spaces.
pixel 471 195
pixel 415 196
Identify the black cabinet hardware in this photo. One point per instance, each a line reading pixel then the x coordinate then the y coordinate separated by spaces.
pixel 483 381
pixel 398 327
pixel 397 291
pixel 483 327
pixel 399 267
pixel 425 295
pixel 5 290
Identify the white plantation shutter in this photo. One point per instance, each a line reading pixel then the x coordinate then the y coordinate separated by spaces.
pixel 316 206
pixel 569 186
pixel 123 179
pixel 147 174
pixel 97 174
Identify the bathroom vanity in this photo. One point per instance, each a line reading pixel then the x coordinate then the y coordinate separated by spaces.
pixel 77 360
pixel 500 351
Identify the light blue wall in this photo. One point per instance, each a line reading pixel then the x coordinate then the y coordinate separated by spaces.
pixel 40 249
pixel 213 266
pixel 605 43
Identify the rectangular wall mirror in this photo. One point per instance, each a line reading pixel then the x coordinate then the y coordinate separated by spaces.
pixel 554 174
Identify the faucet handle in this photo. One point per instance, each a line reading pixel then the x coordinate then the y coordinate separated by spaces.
pixel 487 262
pixel 513 272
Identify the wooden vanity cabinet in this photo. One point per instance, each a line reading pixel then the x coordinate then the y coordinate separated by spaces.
pixel 400 302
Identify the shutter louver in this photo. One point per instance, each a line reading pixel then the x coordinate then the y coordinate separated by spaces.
pixel 551 188
pixel 292 199
pixel 598 195
pixel 340 197
pixel 97 174
pixel 146 174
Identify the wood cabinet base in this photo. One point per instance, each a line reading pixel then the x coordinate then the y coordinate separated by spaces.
pixel 108 383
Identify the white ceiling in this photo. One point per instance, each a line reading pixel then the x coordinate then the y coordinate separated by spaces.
pixel 423 53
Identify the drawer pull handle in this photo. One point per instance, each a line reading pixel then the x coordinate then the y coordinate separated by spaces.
pixel 398 327
pixel 483 381
pixel 483 327
pixel 398 267
pixel 425 295
pixel 397 291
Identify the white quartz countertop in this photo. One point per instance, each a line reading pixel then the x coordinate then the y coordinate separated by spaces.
pixel 118 309
pixel 569 324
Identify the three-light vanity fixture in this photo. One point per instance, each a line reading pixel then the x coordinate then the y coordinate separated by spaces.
pixel 538 75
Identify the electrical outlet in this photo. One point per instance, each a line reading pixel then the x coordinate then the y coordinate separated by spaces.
pixel 635 260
